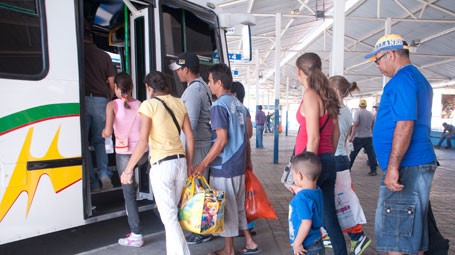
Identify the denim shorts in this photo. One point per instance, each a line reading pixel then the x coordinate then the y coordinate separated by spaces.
pixel 401 217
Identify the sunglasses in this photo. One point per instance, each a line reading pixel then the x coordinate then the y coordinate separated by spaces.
pixel 379 59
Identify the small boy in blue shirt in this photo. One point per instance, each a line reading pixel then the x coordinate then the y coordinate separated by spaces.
pixel 306 207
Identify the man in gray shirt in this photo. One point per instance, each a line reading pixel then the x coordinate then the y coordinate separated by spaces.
pixel 198 101
pixel 361 136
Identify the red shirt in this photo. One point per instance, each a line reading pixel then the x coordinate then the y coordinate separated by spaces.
pixel 325 138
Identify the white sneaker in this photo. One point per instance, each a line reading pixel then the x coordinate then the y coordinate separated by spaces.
pixel 131 239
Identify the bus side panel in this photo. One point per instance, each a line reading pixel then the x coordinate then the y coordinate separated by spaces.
pixel 40 139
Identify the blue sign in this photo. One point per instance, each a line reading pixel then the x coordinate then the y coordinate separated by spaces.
pixel 233 56
pixel 235 72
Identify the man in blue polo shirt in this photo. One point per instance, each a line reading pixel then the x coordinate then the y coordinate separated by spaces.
pixel 401 140
pixel 227 158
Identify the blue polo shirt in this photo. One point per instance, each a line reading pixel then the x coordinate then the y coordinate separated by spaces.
pixel 228 113
pixel 407 96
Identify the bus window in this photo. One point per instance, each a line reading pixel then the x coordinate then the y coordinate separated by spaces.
pixel 22 47
pixel 193 32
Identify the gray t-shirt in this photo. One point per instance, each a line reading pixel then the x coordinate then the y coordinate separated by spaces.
pixel 365 120
pixel 198 100
pixel 344 122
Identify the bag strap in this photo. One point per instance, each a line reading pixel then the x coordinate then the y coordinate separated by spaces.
pixel 170 112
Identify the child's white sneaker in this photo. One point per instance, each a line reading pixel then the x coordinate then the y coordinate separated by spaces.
pixel 132 239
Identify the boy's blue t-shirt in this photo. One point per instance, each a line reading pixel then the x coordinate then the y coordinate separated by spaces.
pixel 229 113
pixel 307 204
pixel 407 96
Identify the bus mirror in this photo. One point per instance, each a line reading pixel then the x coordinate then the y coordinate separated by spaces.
pixel 246 43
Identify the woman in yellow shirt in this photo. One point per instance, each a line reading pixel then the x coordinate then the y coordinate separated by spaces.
pixel 163 116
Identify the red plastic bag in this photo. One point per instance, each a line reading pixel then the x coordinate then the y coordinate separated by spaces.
pixel 257 204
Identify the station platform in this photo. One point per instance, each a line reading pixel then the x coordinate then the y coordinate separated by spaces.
pixel 272 235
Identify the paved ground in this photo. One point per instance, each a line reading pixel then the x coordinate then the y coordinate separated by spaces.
pixel 273 234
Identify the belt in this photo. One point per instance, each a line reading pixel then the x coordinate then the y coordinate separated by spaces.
pixel 169 158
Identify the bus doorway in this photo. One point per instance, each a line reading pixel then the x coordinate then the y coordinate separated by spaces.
pixel 105 21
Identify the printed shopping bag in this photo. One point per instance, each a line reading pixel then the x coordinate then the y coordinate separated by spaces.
pixel 201 208
pixel 347 204
pixel 257 204
pixel 121 145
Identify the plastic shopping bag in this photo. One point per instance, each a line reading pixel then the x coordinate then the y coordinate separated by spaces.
pixel 201 208
pixel 347 204
pixel 257 204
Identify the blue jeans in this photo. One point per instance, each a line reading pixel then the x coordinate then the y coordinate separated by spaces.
pixel 130 191
pixel 326 182
pixel 259 134
pixel 401 223
pixel 316 248
pixel 95 113
pixel 367 144
pixel 341 164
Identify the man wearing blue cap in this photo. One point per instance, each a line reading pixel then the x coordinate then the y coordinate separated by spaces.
pixel 403 149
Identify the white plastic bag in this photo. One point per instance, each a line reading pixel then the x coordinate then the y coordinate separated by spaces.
pixel 347 204
pixel 109 145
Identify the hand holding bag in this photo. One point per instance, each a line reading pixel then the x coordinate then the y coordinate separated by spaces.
pixel 201 208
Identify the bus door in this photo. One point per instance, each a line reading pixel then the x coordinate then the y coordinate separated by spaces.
pixel 142 61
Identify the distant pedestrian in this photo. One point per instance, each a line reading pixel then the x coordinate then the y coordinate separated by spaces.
pixel 448 133
pixel 260 122
pixel 401 139
pixel 361 136
pixel 268 123
pixel 306 207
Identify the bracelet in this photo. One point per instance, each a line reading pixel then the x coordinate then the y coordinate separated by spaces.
pixel 125 173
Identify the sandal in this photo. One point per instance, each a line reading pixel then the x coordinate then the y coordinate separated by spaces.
pixel 246 251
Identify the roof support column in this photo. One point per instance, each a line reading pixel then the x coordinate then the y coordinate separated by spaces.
pixel 277 85
pixel 257 77
pixel 337 61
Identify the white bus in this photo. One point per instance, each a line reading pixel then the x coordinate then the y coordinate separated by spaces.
pixel 44 180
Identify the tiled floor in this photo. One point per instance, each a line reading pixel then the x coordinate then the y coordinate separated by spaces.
pixel 273 234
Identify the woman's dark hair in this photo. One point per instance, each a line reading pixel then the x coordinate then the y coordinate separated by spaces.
pixel 239 90
pixel 157 81
pixel 222 72
pixel 125 84
pixel 342 85
pixel 311 65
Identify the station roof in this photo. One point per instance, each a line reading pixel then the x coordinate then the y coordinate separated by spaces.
pixel 307 26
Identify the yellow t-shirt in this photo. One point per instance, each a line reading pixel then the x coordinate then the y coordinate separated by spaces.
pixel 164 138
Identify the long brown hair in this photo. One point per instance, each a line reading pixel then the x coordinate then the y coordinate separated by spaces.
pixel 342 85
pixel 310 64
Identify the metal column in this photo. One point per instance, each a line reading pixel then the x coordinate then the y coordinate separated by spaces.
pixel 277 85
